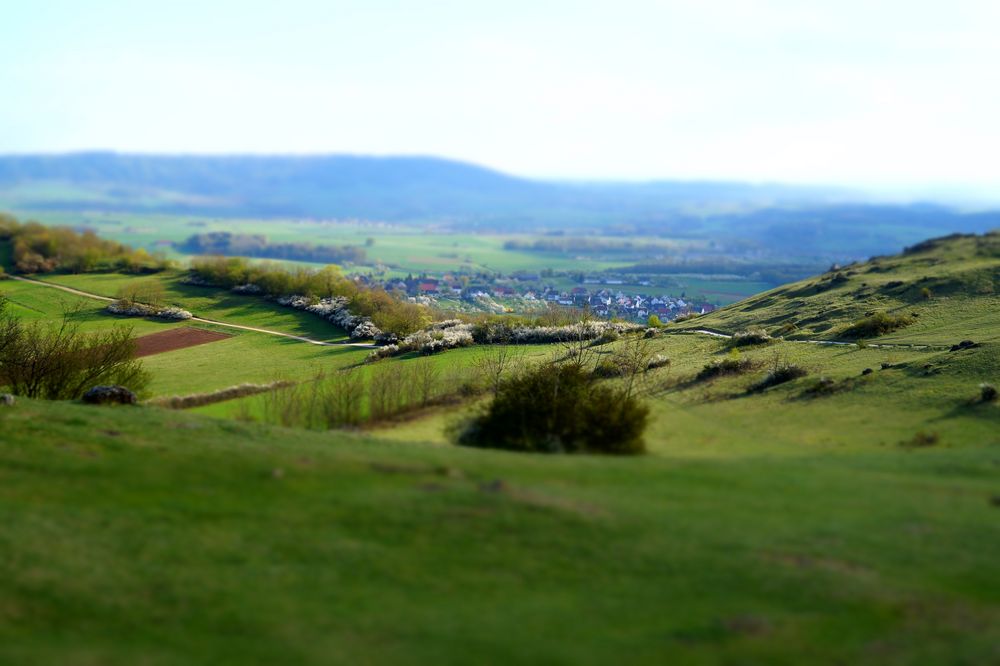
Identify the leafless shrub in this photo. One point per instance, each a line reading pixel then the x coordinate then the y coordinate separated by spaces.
pixel 497 362
pixel 59 362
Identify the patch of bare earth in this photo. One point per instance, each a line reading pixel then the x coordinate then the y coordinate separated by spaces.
pixel 175 338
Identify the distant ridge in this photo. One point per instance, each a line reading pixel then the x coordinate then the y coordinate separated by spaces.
pixel 822 224
pixel 392 188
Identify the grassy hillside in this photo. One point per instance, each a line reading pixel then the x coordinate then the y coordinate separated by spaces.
pixel 949 288
pixel 134 534
pixel 845 516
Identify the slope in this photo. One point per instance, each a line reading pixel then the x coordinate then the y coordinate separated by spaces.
pixel 139 535
pixel 944 290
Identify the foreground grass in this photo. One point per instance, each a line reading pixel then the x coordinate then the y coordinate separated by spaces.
pixel 138 535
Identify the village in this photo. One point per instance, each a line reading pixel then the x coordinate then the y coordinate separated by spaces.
pixel 606 297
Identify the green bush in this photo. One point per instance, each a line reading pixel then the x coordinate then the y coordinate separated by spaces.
pixel 733 365
pixel 922 440
pixel 560 409
pixel 59 362
pixel 779 375
pixel 754 336
pixel 876 324
pixel 825 386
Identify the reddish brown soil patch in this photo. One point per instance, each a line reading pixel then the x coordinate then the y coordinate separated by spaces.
pixel 175 338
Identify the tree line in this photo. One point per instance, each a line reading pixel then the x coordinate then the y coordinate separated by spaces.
pixel 388 313
pixel 36 248
pixel 256 245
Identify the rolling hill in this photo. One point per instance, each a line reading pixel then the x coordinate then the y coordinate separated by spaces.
pixel 787 221
pixel 945 290
pixel 843 516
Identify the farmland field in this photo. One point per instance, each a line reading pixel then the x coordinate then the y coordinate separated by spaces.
pixel 245 357
pixel 398 250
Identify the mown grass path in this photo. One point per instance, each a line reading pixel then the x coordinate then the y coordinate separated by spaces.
pixel 726 336
pixel 215 322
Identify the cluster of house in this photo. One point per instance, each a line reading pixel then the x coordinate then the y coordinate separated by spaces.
pixel 604 300
pixel 614 303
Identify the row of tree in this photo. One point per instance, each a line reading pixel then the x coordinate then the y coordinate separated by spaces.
pixel 388 313
pixel 36 248
pixel 256 245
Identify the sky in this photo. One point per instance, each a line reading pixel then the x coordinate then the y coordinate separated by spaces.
pixel 888 93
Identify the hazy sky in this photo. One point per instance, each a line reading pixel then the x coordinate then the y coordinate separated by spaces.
pixel 840 91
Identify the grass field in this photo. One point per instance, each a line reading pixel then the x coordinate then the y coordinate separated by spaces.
pixel 211 303
pixel 453 366
pixel 37 303
pixel 245 357
pixel 407 248
pixel 853 525
pixel 137 535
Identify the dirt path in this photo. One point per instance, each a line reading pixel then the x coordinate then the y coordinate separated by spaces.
pixel 716 334
pixel 215 322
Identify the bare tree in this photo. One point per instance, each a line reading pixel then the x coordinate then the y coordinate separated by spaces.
pixel 59 362
pixel 633 356
pixel 145 292
pixel 344 395
pixel 426 373
pixel 497 362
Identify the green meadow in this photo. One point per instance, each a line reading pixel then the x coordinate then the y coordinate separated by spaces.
pixel 397 250
pixel 169 538
pixel 848 515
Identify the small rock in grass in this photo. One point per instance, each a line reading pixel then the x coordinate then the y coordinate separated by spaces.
pixel 495 486
pixel 7 400
pixel 109 395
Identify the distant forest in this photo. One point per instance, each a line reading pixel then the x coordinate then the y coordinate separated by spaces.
pixel 257 245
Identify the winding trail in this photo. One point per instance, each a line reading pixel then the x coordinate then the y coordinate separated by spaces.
pixel 214 322
pixel 717 334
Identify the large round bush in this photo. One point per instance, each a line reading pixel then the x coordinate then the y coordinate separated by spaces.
pixel 559 409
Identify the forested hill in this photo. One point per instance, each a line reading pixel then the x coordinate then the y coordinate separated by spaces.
pixel 389 188
pixel 821 223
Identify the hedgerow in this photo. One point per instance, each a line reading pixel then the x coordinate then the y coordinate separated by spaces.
pixel 780 374
pixel 876 324
pixel 364 312
pixel 733 365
